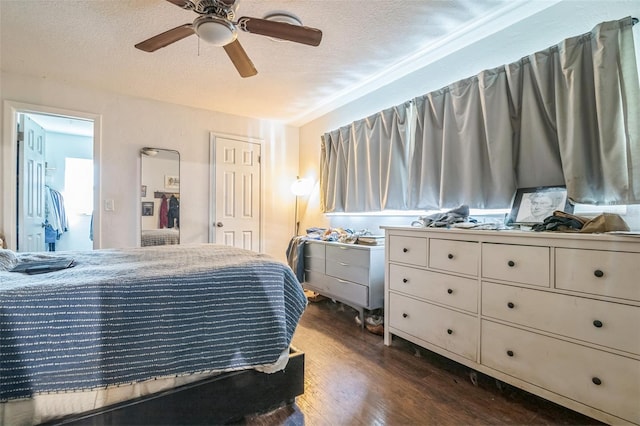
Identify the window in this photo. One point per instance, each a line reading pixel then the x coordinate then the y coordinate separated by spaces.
pixel 78 186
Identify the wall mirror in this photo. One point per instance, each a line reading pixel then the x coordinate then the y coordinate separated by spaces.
pixel 159 197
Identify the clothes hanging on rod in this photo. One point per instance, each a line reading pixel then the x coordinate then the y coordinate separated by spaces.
pixel 56 221
pixel 174 212
pixel 163 215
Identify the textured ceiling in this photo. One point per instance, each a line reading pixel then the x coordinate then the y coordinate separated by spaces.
pixel 91 42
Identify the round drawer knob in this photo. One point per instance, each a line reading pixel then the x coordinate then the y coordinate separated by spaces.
pixel 598 273
pixel 450 291
pixel 511 263
pixel 405 315
pixel 404 250
pixel 596 381
pixel 511 305
pixel 449 331
pixel 597 323
pixel 450 256
pixel 404 280
pixel 510 353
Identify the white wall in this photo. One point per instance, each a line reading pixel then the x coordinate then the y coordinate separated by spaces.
pixel 129 124
pixel 549 27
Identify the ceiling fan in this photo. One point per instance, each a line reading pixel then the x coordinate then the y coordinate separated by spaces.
pixel 216 25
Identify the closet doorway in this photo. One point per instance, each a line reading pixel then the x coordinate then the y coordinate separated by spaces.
pixel 54 181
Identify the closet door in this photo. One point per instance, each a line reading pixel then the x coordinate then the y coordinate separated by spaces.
pixel 31 150
pixel 236 175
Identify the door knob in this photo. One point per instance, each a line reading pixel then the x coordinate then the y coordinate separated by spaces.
pixel 219 224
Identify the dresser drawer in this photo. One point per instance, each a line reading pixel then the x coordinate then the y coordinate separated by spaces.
pixel 347 263
pixel 606 273
pixel 314 257
pixel 604 323
pixel 451 290
pixel 454 256
pixel 317 280
pixel 565 368
pixel 411 250
pixel 348 292
pixel 349 255
pixel 450 330
pixel 521 264
pixel 314 264
pixel 345 291
pixel 314 249
pixel 347 272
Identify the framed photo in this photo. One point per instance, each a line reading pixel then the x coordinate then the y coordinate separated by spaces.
pixel 147 208
pixel 171 182
pixel 143 192
pixel 533 205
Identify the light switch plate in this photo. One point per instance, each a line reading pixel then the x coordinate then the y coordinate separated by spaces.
pixel 109 205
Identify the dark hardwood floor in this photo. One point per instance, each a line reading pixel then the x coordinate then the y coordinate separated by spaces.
pixel 351 378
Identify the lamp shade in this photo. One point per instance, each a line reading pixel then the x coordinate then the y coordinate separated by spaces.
pixel 215 31
pixel 301 187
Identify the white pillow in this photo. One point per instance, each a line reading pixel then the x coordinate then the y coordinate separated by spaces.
pixel 8 260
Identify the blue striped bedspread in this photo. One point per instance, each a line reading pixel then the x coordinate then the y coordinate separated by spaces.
pixel 121 316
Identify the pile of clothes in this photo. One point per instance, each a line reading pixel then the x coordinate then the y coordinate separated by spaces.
pixel 440 220
pixel 566 222
pixel 341 235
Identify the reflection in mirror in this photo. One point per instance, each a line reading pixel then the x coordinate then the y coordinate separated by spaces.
pixel 160 197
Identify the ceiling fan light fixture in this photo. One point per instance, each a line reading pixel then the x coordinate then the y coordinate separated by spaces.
pixel 214 30
pixel 284 17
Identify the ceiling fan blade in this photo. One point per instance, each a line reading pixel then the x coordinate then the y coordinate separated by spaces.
pixel 166 38
pixel 281 30
pixel 240 59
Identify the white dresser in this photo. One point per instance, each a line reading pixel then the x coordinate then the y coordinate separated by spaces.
pixel 557 315
pixel 349 273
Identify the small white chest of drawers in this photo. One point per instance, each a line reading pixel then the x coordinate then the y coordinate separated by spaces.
pixel 555 314
pixel 349 273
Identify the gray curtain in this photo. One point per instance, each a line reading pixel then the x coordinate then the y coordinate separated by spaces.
pixel 463 145
pixel 567 115
pixel 598 115
pixel 363 165
pixel 580 104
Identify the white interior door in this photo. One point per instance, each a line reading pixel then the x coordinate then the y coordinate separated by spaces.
pixel 31 169
pixel 236 178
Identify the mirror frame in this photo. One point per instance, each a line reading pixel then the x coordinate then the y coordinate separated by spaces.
pixel 163 183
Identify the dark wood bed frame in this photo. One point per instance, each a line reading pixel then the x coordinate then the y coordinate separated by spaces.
pixel 217 400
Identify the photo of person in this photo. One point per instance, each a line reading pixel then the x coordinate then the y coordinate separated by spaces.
pixel 536 206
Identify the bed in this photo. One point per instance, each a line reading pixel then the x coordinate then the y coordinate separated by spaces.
pixel 159 237
pixel 166 331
